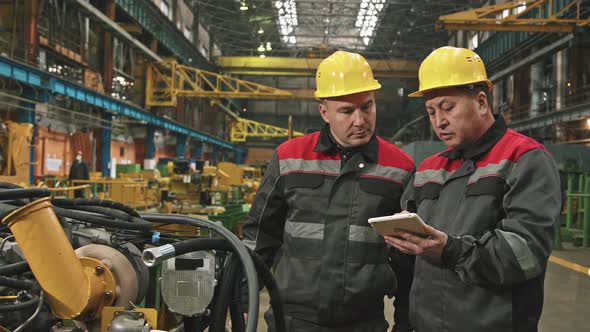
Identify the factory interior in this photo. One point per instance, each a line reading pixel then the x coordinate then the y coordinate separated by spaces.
pixel 129 126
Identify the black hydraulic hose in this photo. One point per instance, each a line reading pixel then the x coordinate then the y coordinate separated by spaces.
pixel 8 185
pixel 19 306
pixel 242 252
pixel 273 291
pixel 108 212
pixel 15 268
pixel 105 222
pixel 10 194
pixel 6 209
pixel 236 312
pixel 225 294
pixel 198 244
pixel 64 202
pixel 16 283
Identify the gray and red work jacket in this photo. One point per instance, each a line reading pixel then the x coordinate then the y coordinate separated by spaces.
pixel 499 201
pixel 309 222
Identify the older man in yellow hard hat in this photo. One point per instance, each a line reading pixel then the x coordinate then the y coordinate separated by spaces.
pixel 309 218
pixel 491 203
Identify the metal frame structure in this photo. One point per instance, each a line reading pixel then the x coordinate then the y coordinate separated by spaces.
pixel 29 75
pixel 168 79
pixel 242 129
pixel 536 16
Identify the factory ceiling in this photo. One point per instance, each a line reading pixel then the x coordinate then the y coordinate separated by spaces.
pixel 379 29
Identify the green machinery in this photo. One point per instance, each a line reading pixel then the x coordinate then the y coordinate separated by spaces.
pixel 577 211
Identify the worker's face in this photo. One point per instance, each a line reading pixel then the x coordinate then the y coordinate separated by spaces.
pixel 351 118
pixel 79 157
pixel 457 117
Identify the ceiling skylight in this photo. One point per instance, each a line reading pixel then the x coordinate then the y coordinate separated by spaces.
pixel 287 11
pixel 367 18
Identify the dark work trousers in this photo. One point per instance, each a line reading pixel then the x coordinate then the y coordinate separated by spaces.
pixel 299 325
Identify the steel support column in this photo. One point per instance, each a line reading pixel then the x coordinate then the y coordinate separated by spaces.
pixel 239 158
pixel 198 154
pixel 107 69
pixel 535 88
pixel 31 33
pixel 180 145
pixel 105 146
pixel 150 146
pixel 28 116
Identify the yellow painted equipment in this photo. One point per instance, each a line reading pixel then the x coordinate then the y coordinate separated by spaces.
pixel 500 17
pixel 168 80
pixel 75 287
pixel 242 129
pixel 129 192
pixel 283 66
pixel 15 140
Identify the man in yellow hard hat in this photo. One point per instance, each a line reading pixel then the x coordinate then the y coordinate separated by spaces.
pixel 491 203
pixel 309 218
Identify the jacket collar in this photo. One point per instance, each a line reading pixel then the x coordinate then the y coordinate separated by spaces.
pixel 326 144
pixel 484 144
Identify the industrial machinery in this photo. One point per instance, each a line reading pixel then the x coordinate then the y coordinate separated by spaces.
pixel 97 265
pixel 15 141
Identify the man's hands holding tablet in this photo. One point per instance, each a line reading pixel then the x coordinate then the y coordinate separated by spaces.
pixel 409 234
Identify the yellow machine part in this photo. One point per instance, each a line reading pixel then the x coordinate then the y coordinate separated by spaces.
pixel 75 287
pixel 234 172
pixel 16 140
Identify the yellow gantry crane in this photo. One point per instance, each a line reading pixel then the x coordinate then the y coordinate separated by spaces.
pixel 242 129
pixel 168 80
pixel 529 15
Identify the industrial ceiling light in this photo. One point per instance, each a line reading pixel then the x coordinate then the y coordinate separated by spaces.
pixel 243 5
pixel 260 31
pixel 261 48
pixel 268 47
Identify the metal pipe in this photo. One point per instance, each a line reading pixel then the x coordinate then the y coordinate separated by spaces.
pixel 75 290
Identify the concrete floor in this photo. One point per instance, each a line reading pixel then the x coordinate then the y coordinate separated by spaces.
pixel 567 296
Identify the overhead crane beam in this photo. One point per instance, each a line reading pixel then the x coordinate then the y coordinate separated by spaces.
pixel 284 66
pixel 168 80
pixel 536 16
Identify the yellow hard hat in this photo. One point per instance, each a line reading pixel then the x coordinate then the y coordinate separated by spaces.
pixel 344 73
pixel 451 66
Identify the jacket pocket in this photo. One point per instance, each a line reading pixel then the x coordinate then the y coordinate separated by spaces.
pixel 382 193
pixel 303 180
pixel 380 187
pixel 492 185
pixel 429 191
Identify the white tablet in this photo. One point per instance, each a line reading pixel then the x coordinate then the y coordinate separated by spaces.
pixel 409 222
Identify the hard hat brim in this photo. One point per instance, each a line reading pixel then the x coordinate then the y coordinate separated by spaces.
pixel 373 87
pixel 420 93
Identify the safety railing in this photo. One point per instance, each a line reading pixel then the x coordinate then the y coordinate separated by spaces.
pixel 577 211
